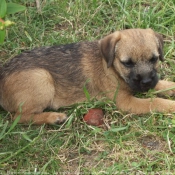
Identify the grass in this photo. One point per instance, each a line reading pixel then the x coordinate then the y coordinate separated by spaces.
pixel 127 144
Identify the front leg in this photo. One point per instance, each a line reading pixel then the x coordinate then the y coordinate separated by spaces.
pixel 165 88
pixel 127 102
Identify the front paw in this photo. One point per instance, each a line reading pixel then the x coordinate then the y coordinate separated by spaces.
pixel 56 118
pixel 165 88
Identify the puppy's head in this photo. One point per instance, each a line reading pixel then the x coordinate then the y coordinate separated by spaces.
pixel 134 55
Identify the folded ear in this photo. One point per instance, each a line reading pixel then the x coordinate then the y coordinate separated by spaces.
pixel 107 46
pixel 160 46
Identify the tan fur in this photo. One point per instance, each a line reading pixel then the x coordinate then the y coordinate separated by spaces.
pixel 41 80
pixel 30 92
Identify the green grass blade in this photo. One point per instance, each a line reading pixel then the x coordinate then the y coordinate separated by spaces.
pixel 14 123
pixel 26 137
pixel 2 134
pixel 119 129
pixel 2 36
pixel 86 91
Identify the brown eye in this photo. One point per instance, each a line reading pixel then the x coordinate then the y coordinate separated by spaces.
pixel 153 60
pixel 128 63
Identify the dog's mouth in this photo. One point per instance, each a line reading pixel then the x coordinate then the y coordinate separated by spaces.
pixel 146 89
pixel 144 83
pixel 141 88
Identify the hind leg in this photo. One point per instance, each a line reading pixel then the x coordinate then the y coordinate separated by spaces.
pixel 28 93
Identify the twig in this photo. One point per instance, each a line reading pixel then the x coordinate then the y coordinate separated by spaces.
pixel 38 6
pixel 169 143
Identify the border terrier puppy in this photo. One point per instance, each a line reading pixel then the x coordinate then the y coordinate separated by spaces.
pixel 121 63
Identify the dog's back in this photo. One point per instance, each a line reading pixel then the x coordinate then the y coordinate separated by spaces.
pixel 63 62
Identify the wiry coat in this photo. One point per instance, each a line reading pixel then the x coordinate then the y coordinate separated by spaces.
pixel 52 77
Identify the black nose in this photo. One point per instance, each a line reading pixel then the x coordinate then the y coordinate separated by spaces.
pixel 146 81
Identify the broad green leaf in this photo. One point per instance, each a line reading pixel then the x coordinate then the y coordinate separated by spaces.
pixel 14 8
pixel 3 8
pixel 2 36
